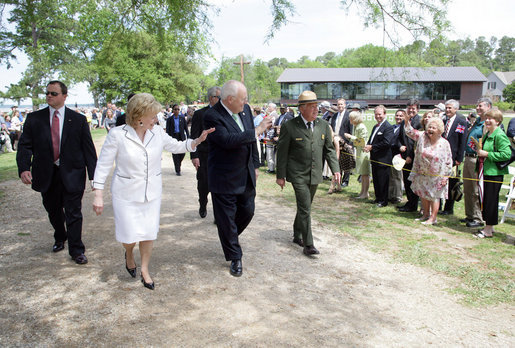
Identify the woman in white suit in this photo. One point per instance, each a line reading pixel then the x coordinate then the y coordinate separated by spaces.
pixel 136 183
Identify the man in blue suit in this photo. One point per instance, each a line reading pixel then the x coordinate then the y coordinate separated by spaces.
pixel 176 127
pixel 232 167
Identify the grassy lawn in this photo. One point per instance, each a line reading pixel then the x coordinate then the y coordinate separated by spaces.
pixel 482 270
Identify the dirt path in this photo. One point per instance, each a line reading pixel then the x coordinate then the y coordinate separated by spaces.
pixel 349 296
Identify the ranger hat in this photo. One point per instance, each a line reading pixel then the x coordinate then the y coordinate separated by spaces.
pixel 307 97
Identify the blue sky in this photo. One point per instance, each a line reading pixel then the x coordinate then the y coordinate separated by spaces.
pixel 319 27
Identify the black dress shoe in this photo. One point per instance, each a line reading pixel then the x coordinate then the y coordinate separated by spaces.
pixel 236 268
pixel 381 205
pixel 58 246
pixel 80 259
pixel 344 184
pixel 202 212
pixel 445 212
pixel 298 241
pixel 405 209
pixel 465 220
pixel 475 224
pixel 178 174
pixel 150 286
pixel 132 271
pixel 310 250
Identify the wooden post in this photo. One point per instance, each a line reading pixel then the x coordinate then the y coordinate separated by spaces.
pixel 241 63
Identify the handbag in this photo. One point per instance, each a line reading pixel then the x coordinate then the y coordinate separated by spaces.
pixel 503 164
pixel 347 158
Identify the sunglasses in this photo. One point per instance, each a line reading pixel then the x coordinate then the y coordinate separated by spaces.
pixel 53 94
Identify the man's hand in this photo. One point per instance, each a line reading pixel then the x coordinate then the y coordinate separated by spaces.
pixel 402 148
pixel 408 160
pixel 257 172
pixel 26 177
pixel 280 182
pixel 264 125
pixel 196 163
pixel 367 148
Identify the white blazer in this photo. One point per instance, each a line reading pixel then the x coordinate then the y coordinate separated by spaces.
pixel 137 175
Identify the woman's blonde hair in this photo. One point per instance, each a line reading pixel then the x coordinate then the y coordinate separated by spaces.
pixel 495 114
pixel 356 116
pixel 139 105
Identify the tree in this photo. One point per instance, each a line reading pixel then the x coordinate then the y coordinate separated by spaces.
pixel 421 18
pixel 505 54
pixel 509 93
pixel 140 62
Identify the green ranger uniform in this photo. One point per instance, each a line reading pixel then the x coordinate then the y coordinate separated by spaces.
pixel 300 159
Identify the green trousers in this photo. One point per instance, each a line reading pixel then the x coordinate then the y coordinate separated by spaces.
pixel 304 194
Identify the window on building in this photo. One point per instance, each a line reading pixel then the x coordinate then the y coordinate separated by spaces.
pixel 492 85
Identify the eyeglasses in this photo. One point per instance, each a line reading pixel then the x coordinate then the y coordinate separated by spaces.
pixel 215 96
pixel 53 94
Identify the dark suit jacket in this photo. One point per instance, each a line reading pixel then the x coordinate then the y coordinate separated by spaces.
pixel 197 126
pixel 404 140
pixel 233 155
pixel 183 129
pixel 77 153
pixel 382 144
pixel 287 116
pixel 346 126
pixel 457 138
pixel 120 120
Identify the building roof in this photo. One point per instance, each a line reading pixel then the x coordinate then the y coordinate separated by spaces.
pixel 429 74
pixel 506 77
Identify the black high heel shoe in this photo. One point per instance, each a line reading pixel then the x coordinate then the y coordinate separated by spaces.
pixel 132 271
pixel 147 285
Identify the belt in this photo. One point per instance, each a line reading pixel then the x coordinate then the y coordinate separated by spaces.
pixel 471 155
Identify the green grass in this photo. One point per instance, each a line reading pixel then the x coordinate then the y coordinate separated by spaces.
pixel 482 269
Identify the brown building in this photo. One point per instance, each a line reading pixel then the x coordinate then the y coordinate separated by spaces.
pixel 387 86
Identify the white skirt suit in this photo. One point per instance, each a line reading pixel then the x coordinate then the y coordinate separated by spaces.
pixel 136 184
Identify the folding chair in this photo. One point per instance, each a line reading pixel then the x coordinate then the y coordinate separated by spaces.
pixel 510 197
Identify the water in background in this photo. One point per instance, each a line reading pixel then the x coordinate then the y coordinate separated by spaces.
pixel 7 107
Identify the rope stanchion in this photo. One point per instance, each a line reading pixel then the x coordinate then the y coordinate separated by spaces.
pixel 436 176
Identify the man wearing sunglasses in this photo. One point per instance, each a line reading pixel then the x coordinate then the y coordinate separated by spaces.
pixel 54 152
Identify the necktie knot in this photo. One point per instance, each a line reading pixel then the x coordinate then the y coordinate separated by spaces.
pixel 308 125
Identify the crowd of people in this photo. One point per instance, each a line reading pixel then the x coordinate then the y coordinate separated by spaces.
pixel 420 155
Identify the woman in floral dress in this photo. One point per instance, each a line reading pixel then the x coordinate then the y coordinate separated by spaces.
pixel 431 167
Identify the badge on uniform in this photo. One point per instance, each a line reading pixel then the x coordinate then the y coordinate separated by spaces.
pixel 323 136
pixel 298 139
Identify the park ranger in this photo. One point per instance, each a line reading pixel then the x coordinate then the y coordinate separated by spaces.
pixel 304 143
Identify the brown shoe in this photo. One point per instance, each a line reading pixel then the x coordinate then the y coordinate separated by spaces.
pixel 310 250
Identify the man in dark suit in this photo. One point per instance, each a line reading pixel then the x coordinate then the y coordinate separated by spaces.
pixel 340 123
pixel 232 167
pixel 176 127
pixel 199 157
pixel 120 120
pixel 54 152
pixel 380 147
pixel 407 150
pixel 455 131
pixel 304 144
